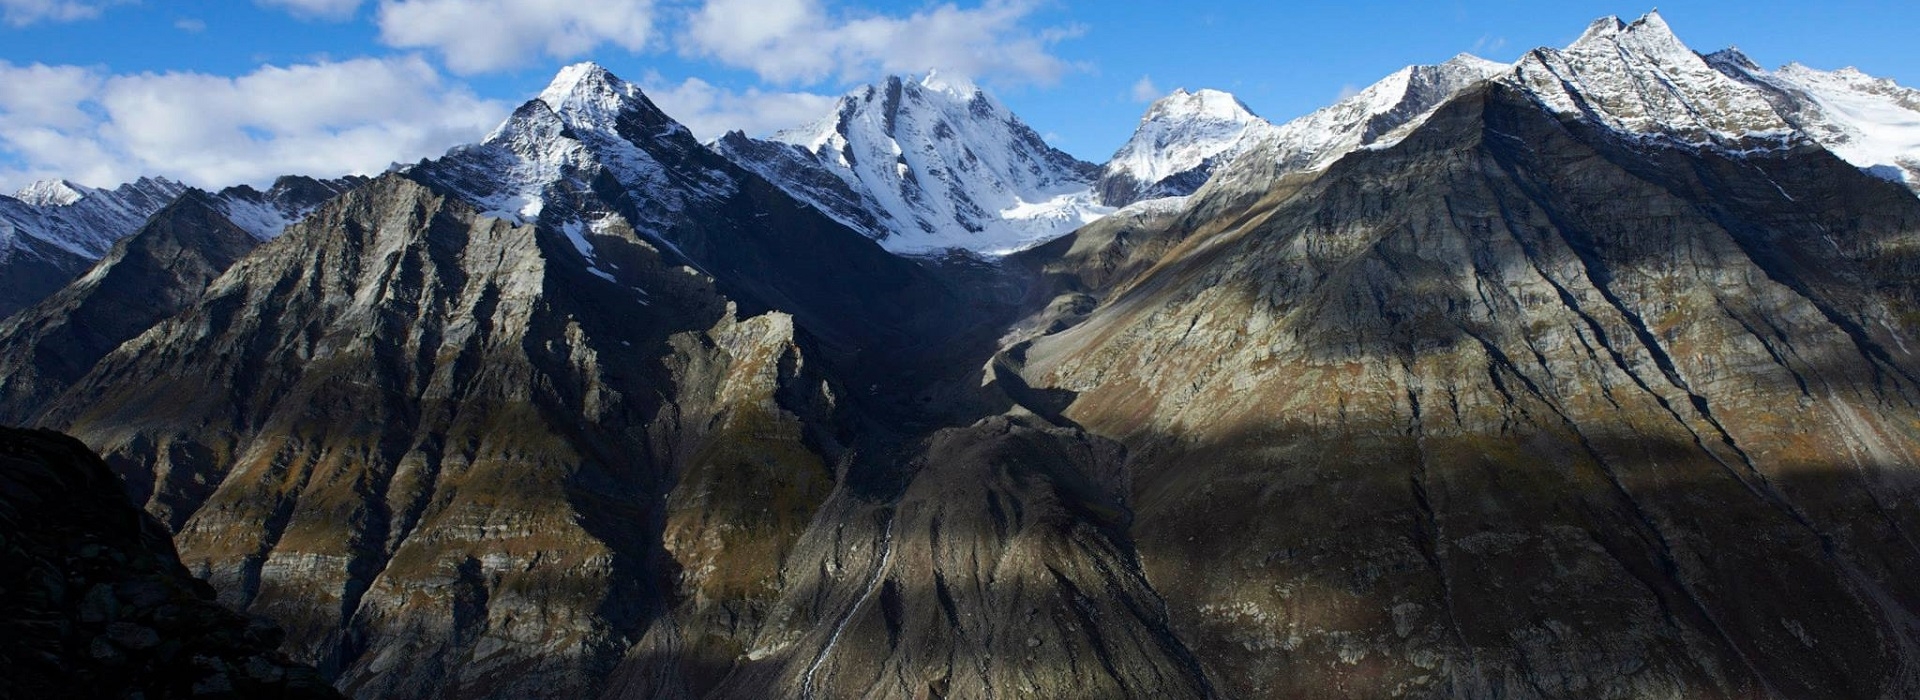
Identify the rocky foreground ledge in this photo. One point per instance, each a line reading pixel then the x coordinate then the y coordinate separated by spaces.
pixel 94 602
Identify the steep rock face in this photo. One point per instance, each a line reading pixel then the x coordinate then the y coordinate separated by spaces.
pixel 146 277
pixel 51 231
pixel 1521 408
pixel 1871 122
pixel 928 165
pixel 1180 141
pixel 422 439
pixel 97 603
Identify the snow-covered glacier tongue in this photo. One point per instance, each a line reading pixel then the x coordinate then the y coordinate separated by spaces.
pixel 1873 123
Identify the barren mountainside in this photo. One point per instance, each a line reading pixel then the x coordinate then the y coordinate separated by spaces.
pixel 1586 376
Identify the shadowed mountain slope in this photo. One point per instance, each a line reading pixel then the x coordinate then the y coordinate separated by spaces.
pixel 1520 408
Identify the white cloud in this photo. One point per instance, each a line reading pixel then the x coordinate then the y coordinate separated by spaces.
pixel 190 25
pixel 478 36
pixel 332 10
pixel 21 13
pixel 323 119
pixel 800 41
pixel 710 111
pixel 1145 91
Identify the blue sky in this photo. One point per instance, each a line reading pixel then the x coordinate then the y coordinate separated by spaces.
pixel 223 91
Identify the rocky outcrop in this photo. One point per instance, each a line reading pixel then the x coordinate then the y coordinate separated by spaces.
pixel 94 602
pixel 146 277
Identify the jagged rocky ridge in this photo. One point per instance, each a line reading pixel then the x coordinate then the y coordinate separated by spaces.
pixel 1502 400
pixel 96 603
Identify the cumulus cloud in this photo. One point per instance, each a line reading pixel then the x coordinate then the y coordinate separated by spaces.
pixel 1145 91
pixel 333 10
pixel 323 119
pixel 800 41
pixel 478 36
pixel 710 111
pixel 21 13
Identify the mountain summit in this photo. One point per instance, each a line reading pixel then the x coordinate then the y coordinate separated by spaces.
pixel 925 165
pixel 1179 142
pixel 1638 78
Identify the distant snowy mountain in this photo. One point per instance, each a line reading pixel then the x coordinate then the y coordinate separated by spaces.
pixel 1870 122
pixel 80 220
pixel 1635 78
pixel 1180 141
pixel 927 165
pixel 51 231
pixel 265 214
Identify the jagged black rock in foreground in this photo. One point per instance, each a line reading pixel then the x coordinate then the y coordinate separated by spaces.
pixel 95 604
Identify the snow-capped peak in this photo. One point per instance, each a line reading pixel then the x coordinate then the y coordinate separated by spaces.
pixel 575 81
pixel 1648 31
pixel 928 164
pixel 1180 140
pixel 1204 104
pixel 588 96
pixel 1638 78
pixel 52 193
pixel 545 162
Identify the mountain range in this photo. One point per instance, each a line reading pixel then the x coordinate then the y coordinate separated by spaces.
pixel 1582 376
